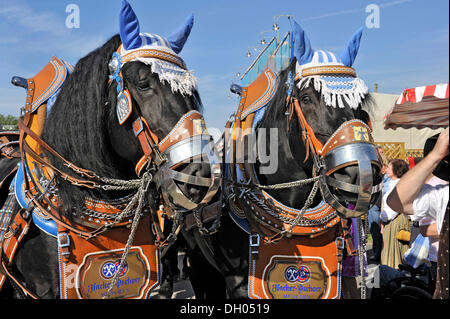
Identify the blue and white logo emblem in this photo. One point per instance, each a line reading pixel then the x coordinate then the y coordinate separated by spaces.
pixel 109 268
pixel 297 274
pixel 291 274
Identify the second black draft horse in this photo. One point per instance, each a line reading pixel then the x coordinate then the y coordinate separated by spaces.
pixel 323 140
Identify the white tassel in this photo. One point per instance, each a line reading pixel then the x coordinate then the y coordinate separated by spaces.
pixel 180 80
pixel 336 97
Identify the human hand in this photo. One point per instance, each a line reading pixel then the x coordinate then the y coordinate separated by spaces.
pixel 440 149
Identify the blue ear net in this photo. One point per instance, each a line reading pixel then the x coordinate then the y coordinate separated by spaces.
pixel 302 46
pixel 179 37
pixel 349 53
pixel 129 27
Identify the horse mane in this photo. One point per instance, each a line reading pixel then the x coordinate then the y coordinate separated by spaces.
pixel 77 124
pixel 275 109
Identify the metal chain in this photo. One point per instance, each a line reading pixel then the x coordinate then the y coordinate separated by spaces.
pixel 308 203
pixel 361 251
pixel 139 198
pixel 202 229
pixel 300 182
pixel 299 220
pixel 113 184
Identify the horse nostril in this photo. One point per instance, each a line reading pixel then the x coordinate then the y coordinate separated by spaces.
pixel 343 178
pixel 348 174
pixel 353 173
pixel 194 192
pixel 200 170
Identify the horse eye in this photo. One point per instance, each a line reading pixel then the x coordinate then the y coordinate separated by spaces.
pixel 306 99
pixel 143 86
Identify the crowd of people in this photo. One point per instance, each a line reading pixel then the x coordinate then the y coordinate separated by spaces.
pixel 409 224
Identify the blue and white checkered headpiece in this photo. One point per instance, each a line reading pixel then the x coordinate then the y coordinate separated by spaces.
pixel 159 52
pixel 331 75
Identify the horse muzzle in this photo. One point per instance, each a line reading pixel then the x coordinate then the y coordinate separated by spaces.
pixel 351 146
pixel 192 150
pixel 187 143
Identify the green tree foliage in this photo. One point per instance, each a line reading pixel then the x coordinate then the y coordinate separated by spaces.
pixel 8 120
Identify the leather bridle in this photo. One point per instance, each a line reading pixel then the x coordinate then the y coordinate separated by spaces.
pixel 187 142
pixel 350 144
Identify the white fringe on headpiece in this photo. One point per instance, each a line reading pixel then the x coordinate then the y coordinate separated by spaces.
pixel 180 80
pixel 353 96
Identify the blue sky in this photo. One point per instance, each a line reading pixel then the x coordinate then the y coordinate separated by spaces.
pixel 410 48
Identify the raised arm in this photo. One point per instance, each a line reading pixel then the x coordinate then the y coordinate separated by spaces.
pixel 402 197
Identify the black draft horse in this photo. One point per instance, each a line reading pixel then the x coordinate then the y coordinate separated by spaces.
pixel 227 250
pixel 83 127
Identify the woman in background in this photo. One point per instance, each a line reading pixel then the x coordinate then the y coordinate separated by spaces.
pixel 393 248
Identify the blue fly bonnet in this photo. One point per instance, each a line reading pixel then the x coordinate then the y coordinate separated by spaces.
pixel 154 50
pixel 332 76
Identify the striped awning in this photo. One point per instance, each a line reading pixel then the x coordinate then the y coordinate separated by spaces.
pixel 420 107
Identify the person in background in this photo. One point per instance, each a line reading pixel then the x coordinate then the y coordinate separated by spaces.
pixel 412 196
pixel 394 249
pixel 415 220
pixel 374 216
pixel 428 229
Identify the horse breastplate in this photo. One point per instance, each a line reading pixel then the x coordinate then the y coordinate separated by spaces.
pixel 87 267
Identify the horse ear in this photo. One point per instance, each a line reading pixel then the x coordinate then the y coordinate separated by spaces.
pixel 349 53
pixel 179 37
pixel 302 46
pixel 129 27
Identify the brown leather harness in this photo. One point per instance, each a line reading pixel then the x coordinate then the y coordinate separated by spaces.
pixel 268 220
pixel 83 233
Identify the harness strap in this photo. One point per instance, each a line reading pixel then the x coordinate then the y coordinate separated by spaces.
pixel 7 146
pixel 50 209
pixel 75 181
pixel 25 130
pixel 4 269
pixel 348 237
pixel 149 144
pixel 254 224
pixel 8 245
pixel 160 237
pixel 145 136
pixel 310 138
pixel 54 215
pixel 207 213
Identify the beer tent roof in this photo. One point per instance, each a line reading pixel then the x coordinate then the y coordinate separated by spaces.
pixel 420 107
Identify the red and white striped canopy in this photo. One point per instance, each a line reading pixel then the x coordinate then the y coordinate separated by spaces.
pixel 415 95
pixel 423 106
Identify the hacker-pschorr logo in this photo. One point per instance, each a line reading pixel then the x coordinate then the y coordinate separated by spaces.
pixel 109 268
pixel 297 274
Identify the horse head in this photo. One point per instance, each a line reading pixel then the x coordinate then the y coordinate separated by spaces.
pixel 156 94
pixel 148 114
pixel 323 127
